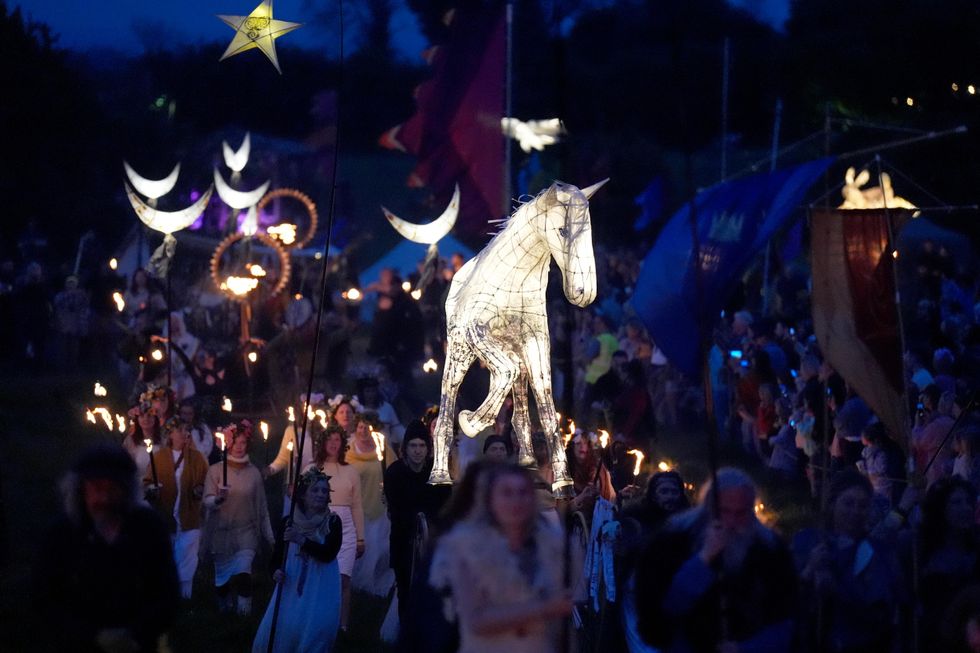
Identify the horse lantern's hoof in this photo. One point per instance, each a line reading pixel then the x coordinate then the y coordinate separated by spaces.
pixel 440 478
pixel 528 462
pixel 563 489
pixel 469 427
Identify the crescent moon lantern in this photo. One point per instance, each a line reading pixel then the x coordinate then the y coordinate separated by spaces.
pixel 152 188
pixel 427 234
pixel 236 160
pixel 168 222
pixel 237 199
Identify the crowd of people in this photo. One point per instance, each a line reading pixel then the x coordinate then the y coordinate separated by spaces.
pixel 891 560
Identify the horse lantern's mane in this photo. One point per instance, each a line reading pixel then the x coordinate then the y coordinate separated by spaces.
pixel 521 207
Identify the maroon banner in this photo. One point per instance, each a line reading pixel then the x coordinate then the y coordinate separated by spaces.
pixel 455 131
pixel 855 317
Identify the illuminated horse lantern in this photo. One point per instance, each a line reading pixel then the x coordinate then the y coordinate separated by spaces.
pixel 496 311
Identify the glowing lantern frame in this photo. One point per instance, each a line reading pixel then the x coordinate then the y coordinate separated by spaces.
pixel 307 203
pixel 285 265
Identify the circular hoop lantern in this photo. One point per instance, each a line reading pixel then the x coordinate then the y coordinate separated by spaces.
pixel 281 254
pixel 308 204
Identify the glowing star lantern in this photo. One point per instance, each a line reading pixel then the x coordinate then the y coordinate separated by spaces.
pixel 533 134
pixel 639 460
pixel 264 427
pixel 100 390
pixel 238 199
pixel 257 30
pixel 226 404
pixel 504 285
pixel 285 233
pixel 603 438
pixel 430 366
pixel 152 189
pixel 875 197
pixel 118 299
pixel 237 159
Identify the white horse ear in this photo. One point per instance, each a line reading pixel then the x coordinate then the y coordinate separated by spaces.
pixel 550 197
pixel 590 191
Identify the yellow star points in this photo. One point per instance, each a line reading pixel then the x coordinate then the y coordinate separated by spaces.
pixel 257 30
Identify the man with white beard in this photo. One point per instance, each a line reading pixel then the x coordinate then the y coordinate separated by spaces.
pixel 717 582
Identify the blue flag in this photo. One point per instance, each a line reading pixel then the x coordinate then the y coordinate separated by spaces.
pixel 735 220
pixel 651 203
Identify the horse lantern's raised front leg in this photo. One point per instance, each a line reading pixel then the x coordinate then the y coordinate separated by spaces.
pixel 459 357
pixel 504 367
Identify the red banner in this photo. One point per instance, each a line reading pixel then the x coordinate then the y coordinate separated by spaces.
pixel 855 317
pixel 455 131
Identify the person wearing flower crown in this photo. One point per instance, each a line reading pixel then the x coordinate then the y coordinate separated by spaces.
pixel 583 464
pixel 144 424
pixel 299 460
pixel 237 520
pixel 345 498
pixel 372 571
pixel 309 577
pixel 177 493
pixel 342 412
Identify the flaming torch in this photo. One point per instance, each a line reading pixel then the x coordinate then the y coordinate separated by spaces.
pixel 153 466
pixel 379 450
pixel 224 458
pixel 639 460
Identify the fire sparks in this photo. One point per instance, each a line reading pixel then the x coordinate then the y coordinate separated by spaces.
pixel 639 460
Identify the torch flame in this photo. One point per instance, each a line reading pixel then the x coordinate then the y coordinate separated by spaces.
pixel 113 264
pixel 284 233
pixel 256 270
pixel 226 404
pixel 663 466
pixel 100 390
pixel 603 438
pixel 149 445
pixel 221 437
pixel 120 302
pixel 322 416
pixel 264 427
pixel 104 414
pixel 289 445
pixel 430 366
pixel 416 294
pixel 379 444
pixel 353 294
pixel 241 286
pixel 407 286
pixel 90 416
pixel 121 422
pixel 290 413
pixel 639 460
pixel 252 357
pixel 156 355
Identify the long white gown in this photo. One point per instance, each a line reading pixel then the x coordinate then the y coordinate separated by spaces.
pixel 308 621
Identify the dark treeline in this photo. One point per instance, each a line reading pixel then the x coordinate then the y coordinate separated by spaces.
pixel 638 84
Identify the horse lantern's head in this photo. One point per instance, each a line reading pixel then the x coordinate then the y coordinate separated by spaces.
pixel 567 227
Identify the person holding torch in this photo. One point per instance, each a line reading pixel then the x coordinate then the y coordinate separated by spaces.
pixel 238 516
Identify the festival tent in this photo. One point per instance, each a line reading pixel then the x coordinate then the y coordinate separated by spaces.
pixel 735 220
